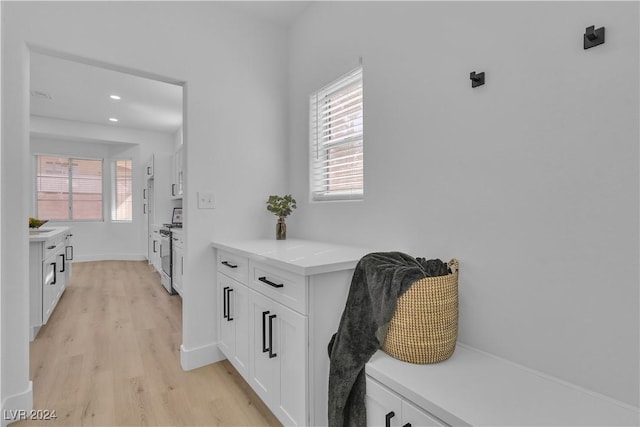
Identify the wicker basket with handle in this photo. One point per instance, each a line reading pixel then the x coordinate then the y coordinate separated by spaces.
pixel 424 327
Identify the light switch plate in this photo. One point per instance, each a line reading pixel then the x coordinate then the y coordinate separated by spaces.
pixel 206 200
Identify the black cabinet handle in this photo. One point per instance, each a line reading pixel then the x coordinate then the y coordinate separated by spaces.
pixel 271 353
pixel 229 318
pixel 154 246
pixel 263 279
pixel 225 309
pixel 387 418
pixel 407 425
pixel 144 208
pixel 173 189
pixel 51 247
pixel 264 331
pixel 148 170
pixel 228 264
pixel 144 193
pixel 55 278
pixel 62 255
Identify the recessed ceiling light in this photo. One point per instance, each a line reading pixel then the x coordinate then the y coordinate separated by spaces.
pixel 113 119
pixel 116 97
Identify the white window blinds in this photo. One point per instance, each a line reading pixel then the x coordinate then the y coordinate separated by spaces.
pixel 68 188
pixel 122 208
pixel 336 138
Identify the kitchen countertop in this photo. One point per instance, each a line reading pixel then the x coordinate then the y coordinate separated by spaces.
pixel 298 256
pixel 45 233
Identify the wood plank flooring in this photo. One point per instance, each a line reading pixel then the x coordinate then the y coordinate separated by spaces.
pixel 109 356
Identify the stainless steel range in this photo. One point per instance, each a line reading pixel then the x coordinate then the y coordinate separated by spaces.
pixel 166 249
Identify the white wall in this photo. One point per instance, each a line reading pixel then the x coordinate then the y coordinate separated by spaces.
pixel 234 69
pixel 531 180
pixel 104 240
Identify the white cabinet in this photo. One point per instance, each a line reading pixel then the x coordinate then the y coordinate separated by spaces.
pixel 177 184
pixel 50 257
pixel 154 247
pixel 386 408
pixel 149 169
pixel 296 291
pixel 177 261
pixel 277 368
pixel 478 389
pixel 233 306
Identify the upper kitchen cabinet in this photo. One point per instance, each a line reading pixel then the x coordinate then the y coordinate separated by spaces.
pixel 177 186
pixel 149 168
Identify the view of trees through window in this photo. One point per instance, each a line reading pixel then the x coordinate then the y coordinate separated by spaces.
pixel 68 188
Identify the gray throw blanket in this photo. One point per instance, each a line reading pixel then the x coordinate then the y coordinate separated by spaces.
pixel 378 281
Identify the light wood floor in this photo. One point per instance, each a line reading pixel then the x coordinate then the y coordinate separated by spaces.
pixel 109 356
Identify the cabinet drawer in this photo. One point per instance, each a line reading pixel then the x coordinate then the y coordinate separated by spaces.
pixel 52 245
pixel 284 287
pixel 234 266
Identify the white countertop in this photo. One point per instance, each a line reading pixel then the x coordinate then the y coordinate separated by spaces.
pixel 45 233
pixel 295 255
pixel 476 388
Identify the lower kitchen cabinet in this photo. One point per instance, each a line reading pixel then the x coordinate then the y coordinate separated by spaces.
pixel 233 306
pixel 177 261
pixel 50 254
pixel 277 367
pixel 386 408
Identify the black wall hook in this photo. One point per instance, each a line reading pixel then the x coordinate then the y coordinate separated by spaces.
pixel 476 79
pixel 593 37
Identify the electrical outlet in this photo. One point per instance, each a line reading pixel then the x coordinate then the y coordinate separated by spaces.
pixel 206 200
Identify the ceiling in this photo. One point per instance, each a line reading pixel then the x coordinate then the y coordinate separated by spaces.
pixel 70 90
pixel 279 12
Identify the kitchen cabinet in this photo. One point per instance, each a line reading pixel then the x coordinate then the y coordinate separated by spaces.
pixel 49 268
pixel 154 247
pixel 177 261
pixel 296 291
pixel 177 184
pixel 149 169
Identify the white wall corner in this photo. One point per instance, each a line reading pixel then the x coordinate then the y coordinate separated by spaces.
pixel 194 358
pixel 18 406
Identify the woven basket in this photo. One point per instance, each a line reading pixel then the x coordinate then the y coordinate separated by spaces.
pixel 424 327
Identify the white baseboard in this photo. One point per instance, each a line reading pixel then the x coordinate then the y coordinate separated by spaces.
pixel 194 358
pixel 110 257
pixel 18 406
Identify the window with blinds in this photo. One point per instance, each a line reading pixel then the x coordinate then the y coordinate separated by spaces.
pixel 122 208
pixel 336 138
pixel 68 189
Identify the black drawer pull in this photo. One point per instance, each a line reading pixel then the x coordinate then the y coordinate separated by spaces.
pixel 148 170
pixel 264 331
pixel 55 278
pixel 229 265
pixel 387 418
pixel 51 247
pixel 271 353
pixel 225 309
pixel 263 279
pixel 407 425
pixel 229 318
pixel 62 255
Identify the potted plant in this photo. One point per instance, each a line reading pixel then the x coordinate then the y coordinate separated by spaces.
pixel 281 206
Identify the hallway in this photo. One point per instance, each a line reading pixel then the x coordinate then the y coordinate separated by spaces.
pixel 110 356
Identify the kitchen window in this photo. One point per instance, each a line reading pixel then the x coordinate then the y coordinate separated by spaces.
pixel 122 192
pixel 68 189
pixel 337 140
